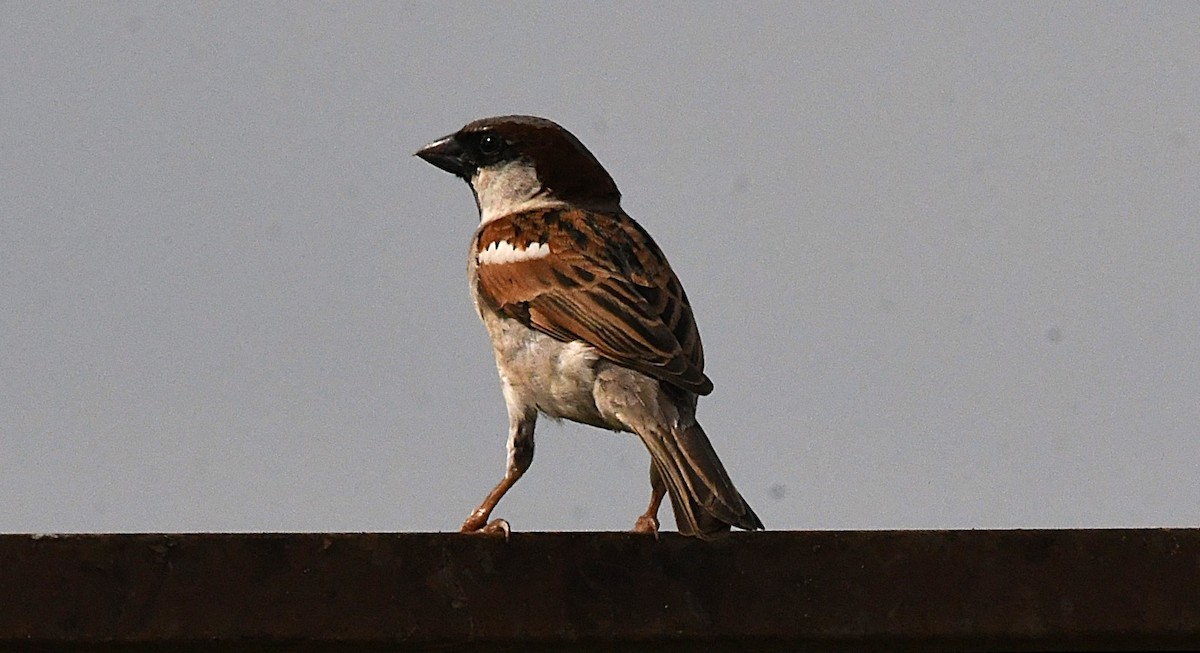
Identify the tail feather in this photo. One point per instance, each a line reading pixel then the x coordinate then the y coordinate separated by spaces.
pixel 705 501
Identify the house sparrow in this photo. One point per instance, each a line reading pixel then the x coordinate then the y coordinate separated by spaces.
pixel 587 320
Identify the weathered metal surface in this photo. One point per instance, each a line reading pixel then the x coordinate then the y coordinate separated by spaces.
pixel 977 590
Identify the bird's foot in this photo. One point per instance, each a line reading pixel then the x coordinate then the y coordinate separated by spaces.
pixel 494 528
pixel 476 525
pixel 647 525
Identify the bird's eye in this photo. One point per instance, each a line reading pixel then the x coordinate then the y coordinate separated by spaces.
pixel 490 144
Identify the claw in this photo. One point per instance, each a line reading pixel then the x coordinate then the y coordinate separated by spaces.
pixel 647 525
pixel 497 527
pixel 476 521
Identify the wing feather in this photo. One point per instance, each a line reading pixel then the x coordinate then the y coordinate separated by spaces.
pixel 597 277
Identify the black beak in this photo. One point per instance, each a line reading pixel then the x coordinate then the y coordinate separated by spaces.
pixel 446 154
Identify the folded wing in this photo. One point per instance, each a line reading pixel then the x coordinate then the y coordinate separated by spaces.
pixel 552 270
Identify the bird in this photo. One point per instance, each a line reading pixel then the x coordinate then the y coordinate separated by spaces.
pixel 587 320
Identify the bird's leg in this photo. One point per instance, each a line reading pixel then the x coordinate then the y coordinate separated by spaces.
pixel 478 521
pixel 520 455
pixel 648 522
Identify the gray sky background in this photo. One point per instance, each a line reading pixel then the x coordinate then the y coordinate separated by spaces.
pixel 945 259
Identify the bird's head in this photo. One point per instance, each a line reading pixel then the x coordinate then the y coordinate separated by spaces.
pixel 517 163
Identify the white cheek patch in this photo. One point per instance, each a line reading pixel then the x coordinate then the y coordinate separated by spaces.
pixel 503 252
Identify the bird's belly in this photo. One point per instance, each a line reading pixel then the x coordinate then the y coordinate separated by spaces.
pixel 557 377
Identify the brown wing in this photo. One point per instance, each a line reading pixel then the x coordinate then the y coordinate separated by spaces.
pixel 595 277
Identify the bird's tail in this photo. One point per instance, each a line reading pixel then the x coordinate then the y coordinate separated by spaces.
pixel 705 502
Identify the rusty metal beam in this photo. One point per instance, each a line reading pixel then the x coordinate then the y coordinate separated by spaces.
pixel 973 590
